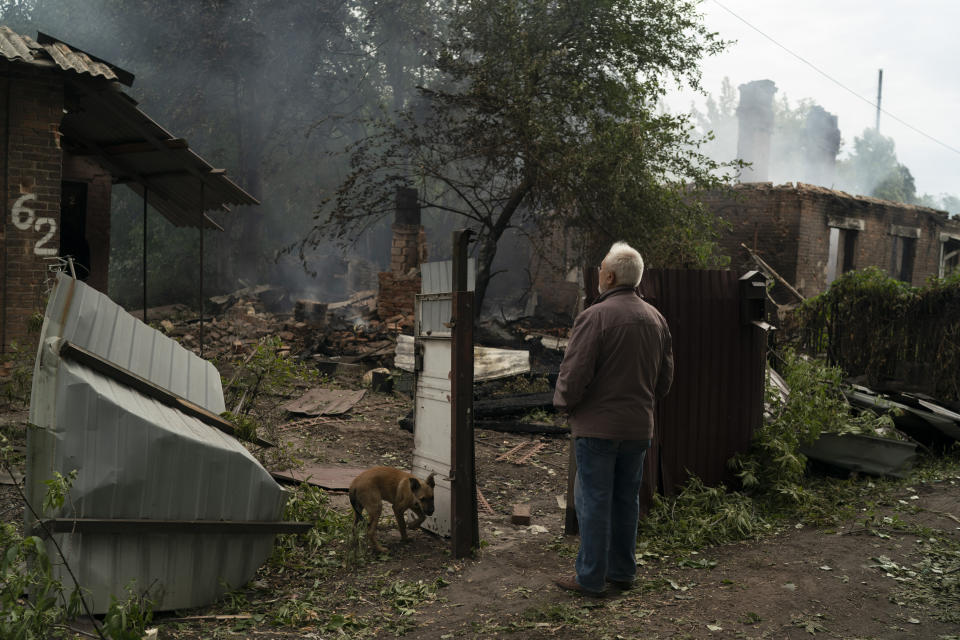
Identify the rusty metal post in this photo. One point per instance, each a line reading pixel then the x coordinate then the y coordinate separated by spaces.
pixel 571 526
pixel 591 279
pixel 146 194
pixel 465 530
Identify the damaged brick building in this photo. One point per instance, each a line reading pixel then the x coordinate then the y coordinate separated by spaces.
pixel 810 234
pixel 68 133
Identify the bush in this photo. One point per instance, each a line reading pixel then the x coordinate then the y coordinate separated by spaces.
pixel 774 466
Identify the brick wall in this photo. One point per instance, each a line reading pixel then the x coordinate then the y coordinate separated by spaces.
pixel 31 176
pixel 766 219
pixel 789 227
pixel 99 189
pixel 397 294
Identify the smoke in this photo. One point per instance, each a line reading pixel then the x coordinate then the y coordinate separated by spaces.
pixel 806 145
pixel 272 93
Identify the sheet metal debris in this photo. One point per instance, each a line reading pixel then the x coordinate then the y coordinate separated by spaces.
pixel 865 454
pixel 324 402
pixel 332 478
pixel 914 416
pixel 161 498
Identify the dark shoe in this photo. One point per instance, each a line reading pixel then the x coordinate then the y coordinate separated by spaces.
pixel 622 585
pixel 571 584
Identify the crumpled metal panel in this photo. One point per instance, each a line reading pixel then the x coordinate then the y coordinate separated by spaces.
pixel 137 458
pixel 91 320
pixel 862 453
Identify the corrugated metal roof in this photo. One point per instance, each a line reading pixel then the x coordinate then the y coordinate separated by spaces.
pixel 137 458
pixel 17 48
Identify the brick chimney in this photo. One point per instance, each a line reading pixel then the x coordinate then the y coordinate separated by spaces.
pixel 407 252
pixel 409 240
pixel 822 146
pixel 755 116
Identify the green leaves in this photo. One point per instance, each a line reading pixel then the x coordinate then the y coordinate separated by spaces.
pixel 25 568
pixel 57 489
pixel 544 114
pixel 773 469
pixel 128 619
pixel 698 517
pixel 871 324
pixel 406 595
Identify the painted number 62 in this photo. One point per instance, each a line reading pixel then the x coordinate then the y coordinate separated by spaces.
pixel 24 218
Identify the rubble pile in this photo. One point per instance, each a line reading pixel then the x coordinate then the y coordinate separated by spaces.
pixel 348 331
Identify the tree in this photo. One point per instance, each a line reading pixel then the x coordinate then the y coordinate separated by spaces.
pixel 873 170
pixel 544 113
pixel 719 124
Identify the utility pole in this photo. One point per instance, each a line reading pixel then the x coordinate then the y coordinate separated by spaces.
pixel 879 95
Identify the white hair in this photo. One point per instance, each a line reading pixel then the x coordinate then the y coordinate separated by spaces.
pixel 626 263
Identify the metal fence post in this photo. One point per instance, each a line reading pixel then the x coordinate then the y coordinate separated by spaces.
pixel 465 531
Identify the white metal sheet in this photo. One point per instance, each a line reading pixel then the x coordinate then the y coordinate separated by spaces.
pixel 431 434
pixel 91 320
pixel 437 277
pixel 489 363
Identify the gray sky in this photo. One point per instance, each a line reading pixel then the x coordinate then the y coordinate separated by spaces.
pixel 917 44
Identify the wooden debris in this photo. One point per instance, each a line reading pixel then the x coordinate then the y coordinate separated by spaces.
pixel 308 422
pixel 518 450
pixel 311 312
pixel 509 454
pixel 513 405
pixel 483 503
pixel 532 452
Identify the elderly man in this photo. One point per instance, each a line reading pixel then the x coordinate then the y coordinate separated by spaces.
pixel 618 362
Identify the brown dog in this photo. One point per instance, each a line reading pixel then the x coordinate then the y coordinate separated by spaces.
pixel 401 489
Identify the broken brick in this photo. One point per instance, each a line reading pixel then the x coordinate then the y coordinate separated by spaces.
pixel 521 514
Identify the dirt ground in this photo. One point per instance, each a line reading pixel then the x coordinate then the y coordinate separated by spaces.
pixel 797 583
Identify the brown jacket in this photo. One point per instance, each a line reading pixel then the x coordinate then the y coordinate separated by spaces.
pixel 618 362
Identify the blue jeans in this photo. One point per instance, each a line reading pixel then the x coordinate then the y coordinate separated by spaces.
pixel 607 497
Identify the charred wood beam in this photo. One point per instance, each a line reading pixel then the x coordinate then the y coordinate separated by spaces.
pixel 150 135
pixel 512 405
pixel 173 210
pixel 145 526
pixel 139 146
pixel 151 390
pixel 515 426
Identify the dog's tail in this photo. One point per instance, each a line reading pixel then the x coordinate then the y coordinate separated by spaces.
pixel 357 506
